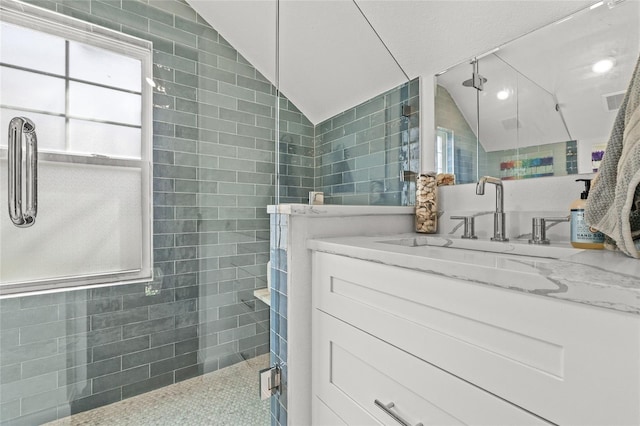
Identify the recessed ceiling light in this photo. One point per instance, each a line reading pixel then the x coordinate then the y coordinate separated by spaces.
pixel 503 94
pixel 603 66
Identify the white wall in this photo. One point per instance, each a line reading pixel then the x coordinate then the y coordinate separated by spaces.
pixel 523 200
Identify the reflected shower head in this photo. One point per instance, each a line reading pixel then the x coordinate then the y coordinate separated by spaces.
pixel 476 81
pixel 469 82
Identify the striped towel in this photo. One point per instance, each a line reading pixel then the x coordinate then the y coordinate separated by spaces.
pixel 613 206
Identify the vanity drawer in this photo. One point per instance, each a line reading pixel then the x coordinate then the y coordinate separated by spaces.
pixel 354 370
pixel 568 363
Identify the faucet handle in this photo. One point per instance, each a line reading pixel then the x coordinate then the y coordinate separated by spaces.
pixel 539 228
pixel 469 226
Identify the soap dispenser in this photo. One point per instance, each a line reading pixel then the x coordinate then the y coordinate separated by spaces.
pixel 582 235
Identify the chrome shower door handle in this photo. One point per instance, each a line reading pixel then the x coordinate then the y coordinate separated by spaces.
pixel 22 214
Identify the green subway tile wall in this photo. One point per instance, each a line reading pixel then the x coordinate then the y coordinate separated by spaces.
pixel 361 153
pixel 297 153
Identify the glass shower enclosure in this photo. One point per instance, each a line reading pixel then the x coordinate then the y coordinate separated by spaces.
pixel 150 234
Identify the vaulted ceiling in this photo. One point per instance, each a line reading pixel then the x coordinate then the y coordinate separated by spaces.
pixel 330 58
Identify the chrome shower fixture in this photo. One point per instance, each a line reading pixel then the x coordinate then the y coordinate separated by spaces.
pixel 476 81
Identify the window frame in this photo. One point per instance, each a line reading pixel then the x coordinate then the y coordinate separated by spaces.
pixel 73 29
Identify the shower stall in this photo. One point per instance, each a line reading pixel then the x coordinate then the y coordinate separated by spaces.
pixel 134 229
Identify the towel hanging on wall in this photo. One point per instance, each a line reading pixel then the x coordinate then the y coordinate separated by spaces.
pixel 613 206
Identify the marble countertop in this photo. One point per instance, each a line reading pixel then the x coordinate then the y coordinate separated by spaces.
pixel 599 278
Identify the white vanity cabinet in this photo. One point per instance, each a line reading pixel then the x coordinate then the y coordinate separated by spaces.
pixel 446 351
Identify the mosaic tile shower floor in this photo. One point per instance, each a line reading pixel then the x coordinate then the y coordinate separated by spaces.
pixel 226 397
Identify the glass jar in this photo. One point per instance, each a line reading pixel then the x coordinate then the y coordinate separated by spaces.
pixel 427 203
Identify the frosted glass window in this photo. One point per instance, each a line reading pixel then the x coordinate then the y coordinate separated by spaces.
pixel 87 137
pixel 50 128
pixel 80 228
pixel 23 89
pixel 31 49
pixel 98 103
pixel 101 66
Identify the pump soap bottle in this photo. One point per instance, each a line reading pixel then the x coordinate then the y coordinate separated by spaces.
pixel 582 235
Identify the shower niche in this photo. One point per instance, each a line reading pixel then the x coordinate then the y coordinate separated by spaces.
pixel 76 161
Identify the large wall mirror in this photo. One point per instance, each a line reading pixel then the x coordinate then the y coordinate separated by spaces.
pixel 541 105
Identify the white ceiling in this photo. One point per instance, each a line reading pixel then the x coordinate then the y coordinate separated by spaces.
pixel 331 60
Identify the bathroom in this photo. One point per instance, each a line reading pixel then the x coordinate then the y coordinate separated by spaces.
pixel 209 120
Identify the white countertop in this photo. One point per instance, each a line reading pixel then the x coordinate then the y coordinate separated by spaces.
pixel 592 277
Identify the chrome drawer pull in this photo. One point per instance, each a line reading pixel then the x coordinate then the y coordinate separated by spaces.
pixel 387 409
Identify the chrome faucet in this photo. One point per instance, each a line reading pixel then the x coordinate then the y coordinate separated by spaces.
pixel 499 233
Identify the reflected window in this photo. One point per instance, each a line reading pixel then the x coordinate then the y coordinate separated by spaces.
pixel 445 162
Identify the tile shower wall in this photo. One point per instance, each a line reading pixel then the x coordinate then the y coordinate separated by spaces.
pixel 361 153
pixel 297 154
pixel 213 177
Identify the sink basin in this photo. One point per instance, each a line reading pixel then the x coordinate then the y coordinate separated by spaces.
pixel 519 248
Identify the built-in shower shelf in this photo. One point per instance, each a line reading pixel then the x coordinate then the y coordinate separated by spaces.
pixel 264 295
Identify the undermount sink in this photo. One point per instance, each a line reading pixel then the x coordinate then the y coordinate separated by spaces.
pixel 520 248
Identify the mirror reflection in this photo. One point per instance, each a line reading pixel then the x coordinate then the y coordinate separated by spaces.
pixel 541 105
